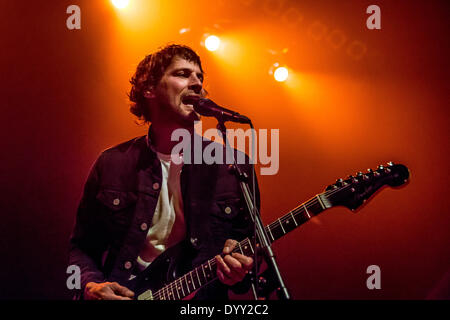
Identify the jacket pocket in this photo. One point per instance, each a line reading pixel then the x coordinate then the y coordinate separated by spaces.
pixel 227 209
pixel 116 200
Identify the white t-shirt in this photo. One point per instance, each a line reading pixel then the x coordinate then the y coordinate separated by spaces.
pixel 168 225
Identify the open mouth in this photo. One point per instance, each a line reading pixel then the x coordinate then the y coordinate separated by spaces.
pixel 190 100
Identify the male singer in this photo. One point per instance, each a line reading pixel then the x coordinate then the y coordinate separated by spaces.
pixel 137 202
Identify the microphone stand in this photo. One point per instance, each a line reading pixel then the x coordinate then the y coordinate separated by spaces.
pixel 260 231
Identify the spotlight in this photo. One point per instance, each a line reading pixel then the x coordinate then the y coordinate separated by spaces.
pixel 212 43
pixel 184 30
pixel 120 4
pixel 281 74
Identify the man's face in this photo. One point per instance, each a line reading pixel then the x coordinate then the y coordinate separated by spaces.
pixel 181 79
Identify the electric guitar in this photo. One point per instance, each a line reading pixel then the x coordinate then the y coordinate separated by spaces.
pixel 160 282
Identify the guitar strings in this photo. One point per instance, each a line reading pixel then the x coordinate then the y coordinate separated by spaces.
pixel 313 201
pixel 168 290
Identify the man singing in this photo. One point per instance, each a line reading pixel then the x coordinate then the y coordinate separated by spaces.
pixel 138 202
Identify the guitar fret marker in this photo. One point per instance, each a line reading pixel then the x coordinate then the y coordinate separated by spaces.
pixel 204 274
pixel 270 232
pixel 307 212
pixel 192 280
pixel 209 264
pixel 187 284
pixel 294 219
pixel 198 278
pixel 320 201
pixel 281 224
pixel 251 248
pixel 182 290
pixel 173 293
pixel 240 248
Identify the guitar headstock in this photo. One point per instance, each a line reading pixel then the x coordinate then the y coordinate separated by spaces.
pixel 355 190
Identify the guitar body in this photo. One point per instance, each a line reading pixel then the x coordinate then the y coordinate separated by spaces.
pixel 168 266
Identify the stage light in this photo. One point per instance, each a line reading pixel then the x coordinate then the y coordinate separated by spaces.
pixel 281 74
pixel 184 30
pixel 120 4
pixel 212 43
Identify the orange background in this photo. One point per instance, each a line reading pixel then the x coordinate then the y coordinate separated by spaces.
pixel 356 98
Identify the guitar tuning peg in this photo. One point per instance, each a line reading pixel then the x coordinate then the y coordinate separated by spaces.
pixel 377 172
pixel 370 173
pixel 339 182
pixel 360 176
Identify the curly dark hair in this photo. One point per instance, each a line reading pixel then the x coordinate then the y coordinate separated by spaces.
pixel 150 71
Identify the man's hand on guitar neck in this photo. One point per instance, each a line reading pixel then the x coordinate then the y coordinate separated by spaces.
pixel 233 267
pixel 107 291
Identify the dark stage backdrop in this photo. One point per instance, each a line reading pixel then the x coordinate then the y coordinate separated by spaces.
pixel 356 98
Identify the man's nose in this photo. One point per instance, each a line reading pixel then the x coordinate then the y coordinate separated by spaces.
pixel 195 84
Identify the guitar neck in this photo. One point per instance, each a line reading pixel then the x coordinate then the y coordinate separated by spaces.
pixel 206 272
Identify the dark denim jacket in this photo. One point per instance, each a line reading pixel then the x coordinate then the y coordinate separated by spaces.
pixel 119 200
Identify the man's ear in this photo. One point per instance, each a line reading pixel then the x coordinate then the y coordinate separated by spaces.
pixel 149 94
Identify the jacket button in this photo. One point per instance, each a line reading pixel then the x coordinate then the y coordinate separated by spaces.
pixel 127 265
pixel 116 201
pixel 156 186
pixel 227 210
pixel 194 241
pixel 144 226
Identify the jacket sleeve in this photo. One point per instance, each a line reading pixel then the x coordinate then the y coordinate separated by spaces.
pixel 87 241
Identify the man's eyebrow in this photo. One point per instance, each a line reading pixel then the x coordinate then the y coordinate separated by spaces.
pixel 183 69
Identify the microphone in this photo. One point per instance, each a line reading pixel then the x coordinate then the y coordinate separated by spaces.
pixel 209 108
